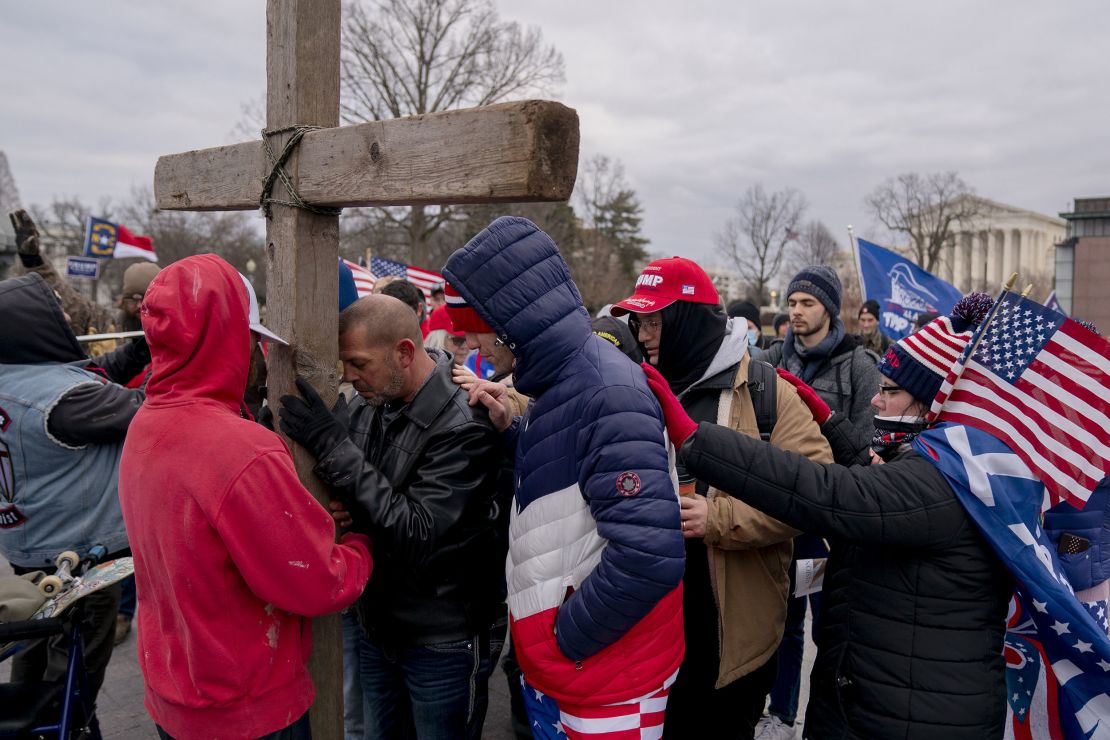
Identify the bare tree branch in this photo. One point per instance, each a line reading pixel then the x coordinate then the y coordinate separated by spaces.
pixel 816 245
pixel 755 239
pixel 926 209
pixel 411 57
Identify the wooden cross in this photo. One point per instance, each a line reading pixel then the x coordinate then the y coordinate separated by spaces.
pixel 513 152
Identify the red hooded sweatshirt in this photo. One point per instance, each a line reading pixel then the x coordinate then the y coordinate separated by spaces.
pixel 231 552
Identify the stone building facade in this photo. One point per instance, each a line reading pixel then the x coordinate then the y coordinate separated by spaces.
pixel 1002 240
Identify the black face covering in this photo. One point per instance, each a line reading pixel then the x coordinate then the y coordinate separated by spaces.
pixel 692 334
pixel 893 432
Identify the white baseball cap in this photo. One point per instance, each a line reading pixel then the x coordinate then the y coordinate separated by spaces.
pixel 255 320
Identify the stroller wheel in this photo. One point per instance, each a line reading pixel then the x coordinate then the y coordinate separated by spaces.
pixel 50 585
pixel 69 556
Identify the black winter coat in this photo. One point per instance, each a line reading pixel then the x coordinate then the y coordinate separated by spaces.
pixel 914 599
pixel 429 489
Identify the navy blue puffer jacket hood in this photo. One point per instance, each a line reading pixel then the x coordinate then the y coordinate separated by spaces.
pixel 539 318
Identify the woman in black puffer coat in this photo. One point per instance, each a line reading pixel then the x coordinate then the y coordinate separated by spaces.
pixel 915 600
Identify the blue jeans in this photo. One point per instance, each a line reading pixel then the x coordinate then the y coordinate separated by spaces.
pixel 429 691
pixel 127 600
pixel 784 694
pixel 353 699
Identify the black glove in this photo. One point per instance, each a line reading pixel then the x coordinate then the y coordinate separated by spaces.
pixel 26 238
pixel 310 423
pixel 265 417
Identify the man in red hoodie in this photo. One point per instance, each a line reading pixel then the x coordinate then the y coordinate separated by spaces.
pixel 231 551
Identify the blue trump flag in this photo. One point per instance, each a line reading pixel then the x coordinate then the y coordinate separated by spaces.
pixel 1056 650
pixel 902 289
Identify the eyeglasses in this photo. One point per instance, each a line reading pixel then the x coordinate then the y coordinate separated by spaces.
pixel 635 322
pixel 890 388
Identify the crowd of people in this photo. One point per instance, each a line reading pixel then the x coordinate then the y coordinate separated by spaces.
pixel 616 509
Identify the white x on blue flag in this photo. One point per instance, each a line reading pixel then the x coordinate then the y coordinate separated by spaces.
pixel 1058 656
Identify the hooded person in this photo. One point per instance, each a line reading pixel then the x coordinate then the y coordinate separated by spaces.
pixel 595 548
pixel 232 553
pixel 737 559
pixel 915 600
pixel 63 419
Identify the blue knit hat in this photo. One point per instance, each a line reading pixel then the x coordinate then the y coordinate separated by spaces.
pixel 348 294
pixel 920 362
pixel 821 282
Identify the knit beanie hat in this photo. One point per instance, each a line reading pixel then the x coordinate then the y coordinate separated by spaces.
pixel 463 316
pixel 348 293
pixel 871 307
pixel 440 318
pixel 747 310
pixel 920 362
pixel 137 277
pixel 821 282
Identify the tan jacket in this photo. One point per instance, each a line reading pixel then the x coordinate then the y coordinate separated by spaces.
pixel 749 552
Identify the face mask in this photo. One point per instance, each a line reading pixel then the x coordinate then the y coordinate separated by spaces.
pixel 753 337
pixel 891 432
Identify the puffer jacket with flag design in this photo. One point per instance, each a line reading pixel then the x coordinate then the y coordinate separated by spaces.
pixel 595 549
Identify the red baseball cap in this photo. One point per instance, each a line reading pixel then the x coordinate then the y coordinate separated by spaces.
pixel 665 281
pixel 441 319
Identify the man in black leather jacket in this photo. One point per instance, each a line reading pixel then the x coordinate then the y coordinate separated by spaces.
pixel 418 469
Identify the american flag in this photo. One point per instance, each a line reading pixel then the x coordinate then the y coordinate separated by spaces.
pixel 636 719
pixel 364 279
pixel 1056 650
pixel 426 280
pixel 1038 381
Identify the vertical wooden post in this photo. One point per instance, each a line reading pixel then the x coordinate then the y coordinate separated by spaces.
pixel 302 75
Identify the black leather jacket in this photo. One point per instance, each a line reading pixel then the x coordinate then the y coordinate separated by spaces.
pixel 428 491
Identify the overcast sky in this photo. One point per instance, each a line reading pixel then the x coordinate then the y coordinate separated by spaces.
pixel 699 100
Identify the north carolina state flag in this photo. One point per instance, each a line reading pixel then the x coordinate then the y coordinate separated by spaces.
pixel 106 240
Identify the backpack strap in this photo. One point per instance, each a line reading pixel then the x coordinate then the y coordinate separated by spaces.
pixel 762 382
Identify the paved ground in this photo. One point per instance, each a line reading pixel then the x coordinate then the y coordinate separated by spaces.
pixel 122 716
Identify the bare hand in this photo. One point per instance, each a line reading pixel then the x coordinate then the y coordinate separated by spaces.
pixel 340 514
pixel 695 515
pixel 494 396
pixel 462 375
pixel 875 459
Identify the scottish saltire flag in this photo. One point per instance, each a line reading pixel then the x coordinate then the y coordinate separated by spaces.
pixel 1040 382
pixel 107 240
pixel 902 289
pixel 1057 655
pixel 426 280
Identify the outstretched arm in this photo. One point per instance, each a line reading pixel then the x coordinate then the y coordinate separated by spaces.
pixel 906 503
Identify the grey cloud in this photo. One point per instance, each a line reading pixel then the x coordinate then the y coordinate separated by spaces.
pixel 699 99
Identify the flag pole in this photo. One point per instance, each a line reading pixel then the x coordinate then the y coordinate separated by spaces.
pixel 852 245
pixel 961 362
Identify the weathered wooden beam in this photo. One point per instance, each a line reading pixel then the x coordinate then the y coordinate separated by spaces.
pixel 302 250
pixel 505 153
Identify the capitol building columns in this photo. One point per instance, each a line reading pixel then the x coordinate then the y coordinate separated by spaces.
pixel 1001 241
